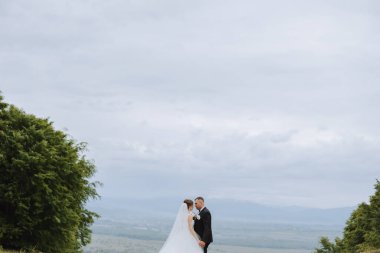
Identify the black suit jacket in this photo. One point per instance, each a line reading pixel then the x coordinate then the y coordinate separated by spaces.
pixel 203 226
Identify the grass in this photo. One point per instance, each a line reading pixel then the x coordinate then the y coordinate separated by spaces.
pixel 10 251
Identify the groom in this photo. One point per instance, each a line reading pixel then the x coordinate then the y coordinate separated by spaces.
pixel 202 223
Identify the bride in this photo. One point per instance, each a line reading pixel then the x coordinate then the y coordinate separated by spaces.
pixel 182 237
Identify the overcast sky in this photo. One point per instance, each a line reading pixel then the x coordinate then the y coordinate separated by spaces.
pixel 274 102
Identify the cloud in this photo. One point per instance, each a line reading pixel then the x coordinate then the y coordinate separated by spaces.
pixel 269 102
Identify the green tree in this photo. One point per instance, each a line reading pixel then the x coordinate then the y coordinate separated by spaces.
pixel 44 185
pixel 373 236
pixel 362 230
pixel 356 228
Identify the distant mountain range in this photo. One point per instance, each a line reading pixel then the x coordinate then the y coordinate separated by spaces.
pixel 122 209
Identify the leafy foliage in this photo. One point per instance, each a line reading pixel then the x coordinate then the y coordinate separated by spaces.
pixel 44 185
pixel 329 247
pixel 362 231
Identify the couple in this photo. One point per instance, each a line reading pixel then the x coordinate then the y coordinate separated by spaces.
pixel 186 237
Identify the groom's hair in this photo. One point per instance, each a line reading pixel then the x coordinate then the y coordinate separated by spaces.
pixel 200 198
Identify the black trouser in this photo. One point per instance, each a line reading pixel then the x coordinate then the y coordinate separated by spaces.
pixel 205 248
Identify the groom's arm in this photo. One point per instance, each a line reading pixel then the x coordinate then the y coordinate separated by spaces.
pixel 207 228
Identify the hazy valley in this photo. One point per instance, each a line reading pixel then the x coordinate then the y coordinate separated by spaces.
pixel 142 225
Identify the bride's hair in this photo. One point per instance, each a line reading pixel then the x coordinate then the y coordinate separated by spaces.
pixel 188 202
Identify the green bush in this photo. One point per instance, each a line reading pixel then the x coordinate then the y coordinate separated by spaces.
pixel 44 185
pixel 329 247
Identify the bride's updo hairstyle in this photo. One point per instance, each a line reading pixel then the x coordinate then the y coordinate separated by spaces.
pixel 188 202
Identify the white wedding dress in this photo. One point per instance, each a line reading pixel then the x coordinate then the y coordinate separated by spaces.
pixel 180 239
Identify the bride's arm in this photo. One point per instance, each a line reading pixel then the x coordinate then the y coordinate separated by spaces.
pixel 190 222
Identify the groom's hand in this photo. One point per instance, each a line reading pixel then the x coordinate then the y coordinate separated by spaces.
pixel 202 244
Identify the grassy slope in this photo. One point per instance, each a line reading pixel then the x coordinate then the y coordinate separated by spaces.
pixel 10 251
pixel 7 251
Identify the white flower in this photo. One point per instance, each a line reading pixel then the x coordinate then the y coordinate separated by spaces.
pixel 198 217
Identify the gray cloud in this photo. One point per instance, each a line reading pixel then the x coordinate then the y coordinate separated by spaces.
pixel 273 102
